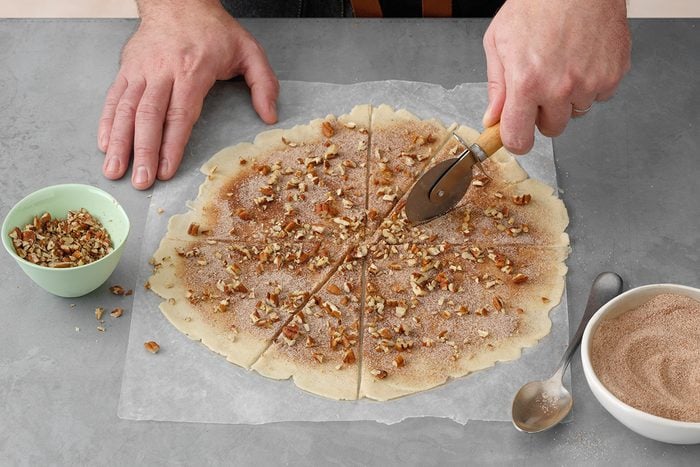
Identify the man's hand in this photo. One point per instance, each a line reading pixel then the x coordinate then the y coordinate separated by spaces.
pixel 167 68
pixel 546 58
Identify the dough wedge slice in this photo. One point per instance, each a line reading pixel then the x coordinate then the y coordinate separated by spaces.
pixel 438 312
pixel 502 206
pixel 304 184
pixel 319 347
pixel 236 297
pixel 402 146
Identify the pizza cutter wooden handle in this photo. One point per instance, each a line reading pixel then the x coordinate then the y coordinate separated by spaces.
pixel 490 140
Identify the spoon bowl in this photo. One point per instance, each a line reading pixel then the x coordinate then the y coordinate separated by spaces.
pixel 540 405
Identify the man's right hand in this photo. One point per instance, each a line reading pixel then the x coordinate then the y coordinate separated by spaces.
pixel 549 61
pixel 167 68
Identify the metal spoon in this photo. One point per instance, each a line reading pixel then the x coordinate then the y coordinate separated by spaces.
pixel 540 405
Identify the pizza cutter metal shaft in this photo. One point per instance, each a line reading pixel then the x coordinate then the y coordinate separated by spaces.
pixel 457 178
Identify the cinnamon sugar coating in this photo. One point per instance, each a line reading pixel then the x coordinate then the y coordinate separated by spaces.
pixel 649 357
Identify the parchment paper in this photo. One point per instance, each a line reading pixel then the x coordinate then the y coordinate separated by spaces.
pixel 187 382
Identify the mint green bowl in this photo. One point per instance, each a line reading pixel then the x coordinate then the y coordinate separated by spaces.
pixel 57 200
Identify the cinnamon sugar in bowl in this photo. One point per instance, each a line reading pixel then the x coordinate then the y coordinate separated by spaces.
pixel 641 359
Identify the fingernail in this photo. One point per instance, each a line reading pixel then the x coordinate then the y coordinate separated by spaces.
pixel 141 175
pixel 163 167
pixel 113 165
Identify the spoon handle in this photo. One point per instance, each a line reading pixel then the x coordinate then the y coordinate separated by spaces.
pixel 606 286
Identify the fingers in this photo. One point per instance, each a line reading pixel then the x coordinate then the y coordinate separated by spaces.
pixel 185 106
pixel 496 83
pixel 264 87
pixel 158 118
pixel 121 136
pixel 606 94
pixel 114 94
pixel 518 119
pixel 148 133
pixel 553 118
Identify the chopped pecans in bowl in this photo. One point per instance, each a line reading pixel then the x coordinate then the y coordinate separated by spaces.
pixel 77 240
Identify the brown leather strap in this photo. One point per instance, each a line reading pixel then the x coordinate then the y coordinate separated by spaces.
pixel 437 8
pixel 366 8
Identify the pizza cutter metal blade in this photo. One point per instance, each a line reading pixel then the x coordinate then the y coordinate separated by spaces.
pixel 444 185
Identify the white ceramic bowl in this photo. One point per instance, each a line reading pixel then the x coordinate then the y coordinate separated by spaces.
pixel 651 426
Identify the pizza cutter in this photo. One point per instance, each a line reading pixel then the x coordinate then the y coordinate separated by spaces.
pixel 444 185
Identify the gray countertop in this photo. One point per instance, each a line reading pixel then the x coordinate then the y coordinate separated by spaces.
pixel 628 172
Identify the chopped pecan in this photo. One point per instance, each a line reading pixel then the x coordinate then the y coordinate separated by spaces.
pixel 523 199
pixel 117 290
pixel 327 129
pixel 193 229
pixel 498 303
pixel 243 214
pixel 267 190
pixel 290 331
pixel 349 357
pixel 519 278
